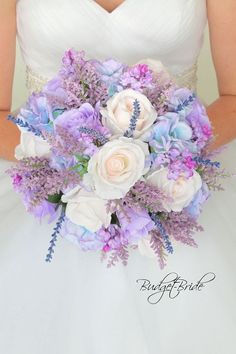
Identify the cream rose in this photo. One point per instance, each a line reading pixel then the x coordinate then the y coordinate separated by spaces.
pixel 181 190
pixel 31 146
pixel 86 209
pixel 117 166
pixel 117 114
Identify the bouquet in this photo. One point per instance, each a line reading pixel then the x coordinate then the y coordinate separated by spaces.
pixel 118 155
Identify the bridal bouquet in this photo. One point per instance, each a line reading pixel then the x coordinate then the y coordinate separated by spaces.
pixel 118 154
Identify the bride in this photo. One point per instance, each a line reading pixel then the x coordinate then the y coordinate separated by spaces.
pixel 75 305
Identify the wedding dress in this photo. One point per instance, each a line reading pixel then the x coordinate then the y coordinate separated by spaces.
pixel 75 305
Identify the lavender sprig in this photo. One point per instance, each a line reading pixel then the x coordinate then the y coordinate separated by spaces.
pixel 207 162
pixel 55 234
pixel 162 231
pixel 121 254
pixel 185 103
pixel 133 121
pixel 23 124
pixel 94 134
pixel 157 244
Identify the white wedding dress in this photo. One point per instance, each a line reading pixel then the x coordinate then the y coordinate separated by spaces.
pixel 75 305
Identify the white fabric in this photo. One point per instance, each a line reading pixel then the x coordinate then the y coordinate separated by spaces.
pixel 75 305
pixel 167 30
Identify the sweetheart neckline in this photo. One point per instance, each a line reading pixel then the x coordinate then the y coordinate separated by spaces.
pixel 117 8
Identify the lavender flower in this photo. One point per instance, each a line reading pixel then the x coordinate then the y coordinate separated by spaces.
pixel 180 100
pixel 157 244
pixel 181 226
pixel 55 235
pixel 39 180
pixel 133 121
pixel 23 124
pixel 142 195
pixel 162 231
pixel 81 81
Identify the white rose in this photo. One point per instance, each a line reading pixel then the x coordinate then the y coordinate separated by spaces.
pixel 31 146
pixel 117 166
pixel 117 114
pixel 157 67
pixel 181 191
pixel 86 209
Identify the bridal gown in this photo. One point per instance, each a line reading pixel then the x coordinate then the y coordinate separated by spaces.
pixel 75 305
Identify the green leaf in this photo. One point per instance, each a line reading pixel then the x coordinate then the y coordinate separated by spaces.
pixel 54 198
pixel 57 112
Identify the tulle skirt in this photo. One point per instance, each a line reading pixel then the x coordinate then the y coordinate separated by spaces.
pixel 75 305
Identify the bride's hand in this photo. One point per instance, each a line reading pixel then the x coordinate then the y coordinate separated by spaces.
pixel 9 137
pixel 9 134
pixel 222 112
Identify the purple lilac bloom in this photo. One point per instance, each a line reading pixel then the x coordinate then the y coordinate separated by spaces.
pixel 16 181
pixel 183 165
pixel 70 60
pixel 200 124
pixel 135 224
pixel 113 238
pixel 137 77
pixel 38 112
pixel 81 81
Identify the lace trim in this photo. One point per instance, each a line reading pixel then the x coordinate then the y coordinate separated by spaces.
pixel 188 78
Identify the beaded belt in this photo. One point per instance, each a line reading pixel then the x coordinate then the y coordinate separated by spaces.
pixel 188 78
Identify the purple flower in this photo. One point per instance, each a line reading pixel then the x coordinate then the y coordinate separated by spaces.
pixel 45 209
pixel 54 88
pixel 62 162
pixel 169 132
pixel 137 77
pixel 195 207
pixel 110 72
pixel 16 181
pixel 183 165
pixel 200 124
pixel 71 60
pixel 81 81
pixel 180 100
pixel 85 116
pixel 88 241
pixel 135 224
pixel 112 237
pixel 38 112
